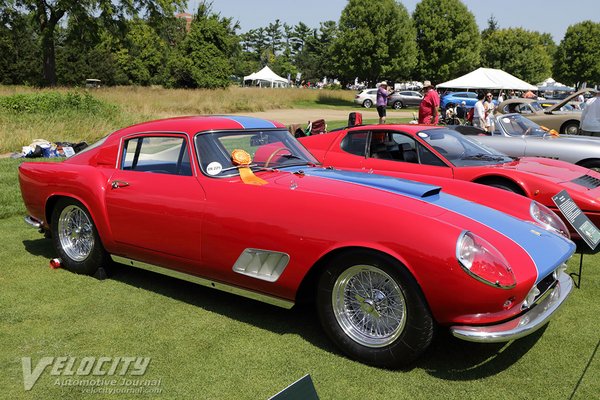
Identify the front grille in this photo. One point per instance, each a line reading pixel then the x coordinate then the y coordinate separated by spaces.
pixel 545 284
pixel 587 181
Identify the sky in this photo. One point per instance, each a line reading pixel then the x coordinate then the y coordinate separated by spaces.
pixel 545 16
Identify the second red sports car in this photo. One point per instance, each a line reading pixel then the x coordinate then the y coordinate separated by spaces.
pixel 436 151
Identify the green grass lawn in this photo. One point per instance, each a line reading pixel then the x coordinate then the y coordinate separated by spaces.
pixel 206 344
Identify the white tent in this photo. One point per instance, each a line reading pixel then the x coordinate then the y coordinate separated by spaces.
pixel 488 78
pixel 266 77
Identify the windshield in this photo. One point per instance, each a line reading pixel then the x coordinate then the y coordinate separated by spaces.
pixel 460 150
pixel 536 106
pixel 268 149
pixel 517 125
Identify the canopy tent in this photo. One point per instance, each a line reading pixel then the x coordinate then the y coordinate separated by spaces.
pixel 266 77
pixel 550 85
pixel 489 79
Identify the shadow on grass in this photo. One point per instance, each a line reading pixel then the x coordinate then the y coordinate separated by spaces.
pixel 447 358
pixel 453 359
pixel 40 247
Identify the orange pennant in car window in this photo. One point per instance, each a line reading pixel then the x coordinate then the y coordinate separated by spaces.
pixel 242 160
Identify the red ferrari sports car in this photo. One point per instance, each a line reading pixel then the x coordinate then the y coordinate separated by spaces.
pixel 436 151
pixel 237 204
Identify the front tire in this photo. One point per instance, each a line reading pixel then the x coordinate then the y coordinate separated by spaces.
pixel 373 309
pixel 75 237
pixel 592 164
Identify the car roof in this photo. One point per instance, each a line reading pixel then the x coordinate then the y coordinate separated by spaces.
pixel 408 128
pixel 195 124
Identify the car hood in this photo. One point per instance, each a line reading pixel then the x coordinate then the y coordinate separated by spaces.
pixel 545 167
pixel 567 99
pixel 432 202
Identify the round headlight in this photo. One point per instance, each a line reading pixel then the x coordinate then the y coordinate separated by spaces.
pixel 547 219
pixel 483 261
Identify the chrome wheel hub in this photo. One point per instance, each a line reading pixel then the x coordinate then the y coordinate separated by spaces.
pixel 369 306
pixel 75 233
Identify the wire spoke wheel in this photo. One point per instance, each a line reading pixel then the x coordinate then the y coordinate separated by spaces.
pixel 369 306
pixel 75 233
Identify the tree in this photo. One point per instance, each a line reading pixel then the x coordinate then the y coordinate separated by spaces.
pixel 204 57
pixel 375 40
pixel 448 39
pixel 576 59
pixel 492 27
pixel 18 50
pixel 48 14
pixel 518 52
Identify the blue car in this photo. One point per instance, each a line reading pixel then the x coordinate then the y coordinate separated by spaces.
pixel 470 98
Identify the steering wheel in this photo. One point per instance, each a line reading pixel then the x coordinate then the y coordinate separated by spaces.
pixel 274 153
pixel 527 131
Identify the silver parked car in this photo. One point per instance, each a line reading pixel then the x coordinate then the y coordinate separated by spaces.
pixel 518 136
pixel 404 98
pixel 366 98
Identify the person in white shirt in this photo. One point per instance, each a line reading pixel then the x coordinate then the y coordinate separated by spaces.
pixel 479 112
pixel 590 117
pixel 489 112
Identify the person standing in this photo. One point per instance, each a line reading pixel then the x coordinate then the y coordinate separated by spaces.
pixel 428 109
pixel 590 117
pixel 489 112
pixel 479 112
pixel 382 99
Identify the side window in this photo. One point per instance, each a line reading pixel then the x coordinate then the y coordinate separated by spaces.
pixel 355 143
pixel 415 152
pixel 158 154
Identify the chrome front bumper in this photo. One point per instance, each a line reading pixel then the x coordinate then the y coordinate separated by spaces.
pixel 524 324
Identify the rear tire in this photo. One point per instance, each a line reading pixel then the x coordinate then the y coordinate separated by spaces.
pixel 367 103
pixel 75 238
pixel 570 128
pixel 373 309
pixel 398 105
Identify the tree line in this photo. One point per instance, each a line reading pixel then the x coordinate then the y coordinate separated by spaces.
pixel 142 42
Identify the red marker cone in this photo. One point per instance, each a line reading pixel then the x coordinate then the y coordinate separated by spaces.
pixel 55 263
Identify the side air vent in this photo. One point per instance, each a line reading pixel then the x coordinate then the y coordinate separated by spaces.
pixel 261 264
pixel 587 181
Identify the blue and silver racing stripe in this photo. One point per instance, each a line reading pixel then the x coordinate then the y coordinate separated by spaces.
pixel 249 122
pixel 546 258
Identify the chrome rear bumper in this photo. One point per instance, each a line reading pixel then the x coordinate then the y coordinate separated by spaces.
pixel 524 324
pixel 33 222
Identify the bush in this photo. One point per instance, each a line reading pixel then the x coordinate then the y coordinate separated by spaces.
pixel 50 102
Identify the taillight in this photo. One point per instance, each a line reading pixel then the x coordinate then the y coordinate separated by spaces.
pixel 483 261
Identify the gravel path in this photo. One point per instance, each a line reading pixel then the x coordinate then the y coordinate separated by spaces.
pixel 302 116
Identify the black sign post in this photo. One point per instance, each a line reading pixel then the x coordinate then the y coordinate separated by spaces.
pixel 578 220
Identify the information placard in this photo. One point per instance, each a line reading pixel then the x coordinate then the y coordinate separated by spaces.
pixel 582 224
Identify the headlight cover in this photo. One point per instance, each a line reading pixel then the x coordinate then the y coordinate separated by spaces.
pixel 483 261
pixel 547 219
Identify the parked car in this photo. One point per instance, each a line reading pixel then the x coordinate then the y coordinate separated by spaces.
pixel 237 204
pixel 470 98
pixel 564 122
pixel 440 151
pixel 518 136
pixel 366 98
pixel 404 98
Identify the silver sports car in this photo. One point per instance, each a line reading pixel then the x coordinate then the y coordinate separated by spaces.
pixel 518 136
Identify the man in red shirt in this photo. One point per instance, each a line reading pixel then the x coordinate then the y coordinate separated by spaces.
pixel 428 110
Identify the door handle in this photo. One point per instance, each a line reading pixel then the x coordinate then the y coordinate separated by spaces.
pixel 118 184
